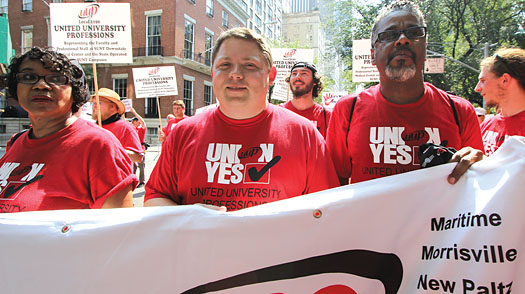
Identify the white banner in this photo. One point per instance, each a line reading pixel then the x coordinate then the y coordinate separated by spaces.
pixel 155 81
pixel 362 68
pixel 92 32
pixel 284 59
pixel 408 233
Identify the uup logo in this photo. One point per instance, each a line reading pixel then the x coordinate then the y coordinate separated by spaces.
pixel 89 11
pixel 290 53
pixel 154 71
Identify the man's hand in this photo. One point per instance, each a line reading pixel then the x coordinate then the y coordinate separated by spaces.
pixel 212 207
pixel 162 137
pixel 465 157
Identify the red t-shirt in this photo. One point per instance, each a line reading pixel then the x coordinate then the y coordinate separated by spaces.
pixel 497 129
pixel 78 167
pixel 383 138
pixel 317 114
pixel 216 160
pixel 142 133
pixel 126 134
pixel 171 124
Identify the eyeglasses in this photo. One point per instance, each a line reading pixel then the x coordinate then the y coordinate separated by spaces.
pixel 32 78
pixel 393 35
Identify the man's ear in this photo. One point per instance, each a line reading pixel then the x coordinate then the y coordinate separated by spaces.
pixel 372 57
pixel 505 80
pixel 273 74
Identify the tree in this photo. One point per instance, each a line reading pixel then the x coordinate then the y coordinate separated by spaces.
pixel 456 28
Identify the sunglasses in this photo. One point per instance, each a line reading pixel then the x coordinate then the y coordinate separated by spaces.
pixel 393 35
pixel 32 78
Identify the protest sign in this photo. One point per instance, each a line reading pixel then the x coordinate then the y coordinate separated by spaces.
pixel 407 233
pixel 283 60
pixel 435 65
pixel 331 98
pixel 362 68
pixel 92 32
pixel 155 81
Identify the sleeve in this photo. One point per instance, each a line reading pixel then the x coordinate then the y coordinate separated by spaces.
pixel 321 173
pixel 470 129
pixel 162 182
pixel 132 141
pixel 109 171
pixel 336 138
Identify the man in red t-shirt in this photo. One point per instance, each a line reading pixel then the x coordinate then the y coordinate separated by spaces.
pixel 111 111
pixel 502 83
pixel 246 152
pixel 378 132
pixel 305 84
pixel 140 126
pixel 178 112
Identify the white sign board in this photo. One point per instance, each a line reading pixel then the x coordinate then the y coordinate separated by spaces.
pixel 92 32
pixel 435 65
pixel 331 98
pixel 155 81
pixel 128 104
pixel 409 233
pixel 284 59
pixel 362 68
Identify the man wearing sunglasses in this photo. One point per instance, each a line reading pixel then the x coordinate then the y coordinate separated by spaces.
pixel 378 132
pixel 502 83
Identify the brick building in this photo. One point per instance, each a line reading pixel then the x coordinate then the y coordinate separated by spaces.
pixel 164 33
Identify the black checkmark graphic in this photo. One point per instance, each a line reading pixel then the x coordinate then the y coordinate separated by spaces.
pixel 256 175
pixel 12 190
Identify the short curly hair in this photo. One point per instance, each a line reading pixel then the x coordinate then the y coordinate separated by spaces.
pixel 398 5
pixel 56 62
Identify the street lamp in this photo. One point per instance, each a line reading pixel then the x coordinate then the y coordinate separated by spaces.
pixel 273 22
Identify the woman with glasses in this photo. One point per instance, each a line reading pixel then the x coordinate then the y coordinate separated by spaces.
pixel 62 162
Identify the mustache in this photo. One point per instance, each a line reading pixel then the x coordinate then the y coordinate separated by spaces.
pixel 402 48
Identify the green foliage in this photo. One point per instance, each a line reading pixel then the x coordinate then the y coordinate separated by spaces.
pixel 457 28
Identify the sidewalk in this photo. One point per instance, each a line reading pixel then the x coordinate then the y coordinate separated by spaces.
pixel 152 155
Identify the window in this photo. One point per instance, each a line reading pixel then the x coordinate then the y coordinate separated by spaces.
pixel 244 5
pixel 258 6
pixel 208 94
pixel 188 96
pixel 27 38
pixel 208 39
pixel 120 85
pixel 152 132
pixel 153 35
pixel 258 21
pixel 3 6
pixel 209 8
pixel 188 39
pixel 27 5
pixel 268 14
pixel 57 1
pixel 150 108
pixel 269 33
pixel 225 19
pixel 191 1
